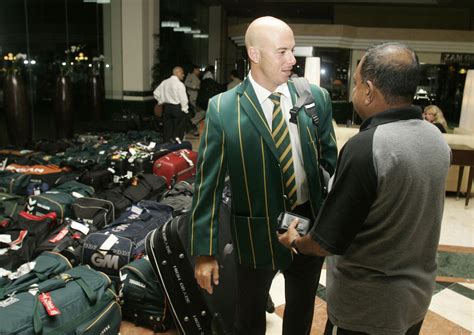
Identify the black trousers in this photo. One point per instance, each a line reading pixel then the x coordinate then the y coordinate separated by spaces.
pixel 301 284
pixel 174 121
pixel 333 330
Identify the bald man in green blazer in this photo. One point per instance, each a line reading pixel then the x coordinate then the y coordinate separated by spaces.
pixel 241 139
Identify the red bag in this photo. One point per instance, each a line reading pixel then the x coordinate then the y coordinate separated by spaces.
pixel 176 166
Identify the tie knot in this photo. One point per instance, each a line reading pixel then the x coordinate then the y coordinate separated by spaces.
pixel 275 98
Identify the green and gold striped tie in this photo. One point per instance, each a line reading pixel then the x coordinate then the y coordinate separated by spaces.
pixel 281 136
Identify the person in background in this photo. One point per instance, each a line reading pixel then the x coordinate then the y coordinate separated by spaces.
pixel 434 115
pixel 193 83
pixel 272 165
pixel 172 94
pixel 381 220
pixel 234 79
pixel 209 73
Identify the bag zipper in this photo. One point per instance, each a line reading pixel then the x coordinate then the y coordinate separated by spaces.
pixel 102 314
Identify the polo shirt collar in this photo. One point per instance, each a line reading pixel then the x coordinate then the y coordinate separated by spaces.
pixel 392 115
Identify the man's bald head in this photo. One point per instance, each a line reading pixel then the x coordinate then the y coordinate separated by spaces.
pixel 394 70
pixel 177 69
pixel 261 29
pixel 270 43
pixel 178 72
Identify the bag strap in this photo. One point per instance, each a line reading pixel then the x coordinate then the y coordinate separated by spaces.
pixel 305 98
pixel 307 102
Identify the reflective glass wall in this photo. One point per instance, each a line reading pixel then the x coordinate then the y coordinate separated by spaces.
pixel 40 40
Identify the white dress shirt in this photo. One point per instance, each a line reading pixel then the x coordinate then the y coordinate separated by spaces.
pixel 172 91
pixel 263 94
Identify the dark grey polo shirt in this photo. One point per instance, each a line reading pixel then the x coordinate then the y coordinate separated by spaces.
pixel 383 218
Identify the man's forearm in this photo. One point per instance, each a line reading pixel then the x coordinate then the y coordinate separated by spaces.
pixel 307 246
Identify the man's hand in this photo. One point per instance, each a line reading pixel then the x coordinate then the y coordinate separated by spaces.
pixel 290 235
pixel 306 245
pixel 205 271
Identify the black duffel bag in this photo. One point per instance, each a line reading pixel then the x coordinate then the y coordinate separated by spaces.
pixel 94 211
pixel 142 298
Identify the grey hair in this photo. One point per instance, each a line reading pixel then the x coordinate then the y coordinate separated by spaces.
pixel 394 69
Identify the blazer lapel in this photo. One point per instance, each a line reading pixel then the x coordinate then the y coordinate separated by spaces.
pixel 251 107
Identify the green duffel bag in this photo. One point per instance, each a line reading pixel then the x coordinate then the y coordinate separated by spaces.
pixel 79 301
pixel 50 201
pixel 58 200
pixel 10 205
pixel 14 183
pixel 46 265
pixel 76 189
pixel 142 298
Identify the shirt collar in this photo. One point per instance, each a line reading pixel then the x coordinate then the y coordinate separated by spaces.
pixel 392 115
pixel 263 94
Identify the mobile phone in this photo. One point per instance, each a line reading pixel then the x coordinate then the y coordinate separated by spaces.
pixel 284 221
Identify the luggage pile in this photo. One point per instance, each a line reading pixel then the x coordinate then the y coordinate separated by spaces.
pixel 78 237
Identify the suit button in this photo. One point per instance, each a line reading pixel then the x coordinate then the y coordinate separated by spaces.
pixel 285 197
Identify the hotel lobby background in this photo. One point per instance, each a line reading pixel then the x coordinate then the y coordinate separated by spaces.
pixel 138 56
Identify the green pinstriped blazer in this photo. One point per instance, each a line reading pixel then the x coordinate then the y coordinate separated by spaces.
pixel 237 141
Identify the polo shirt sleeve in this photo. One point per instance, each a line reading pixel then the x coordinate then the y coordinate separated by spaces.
pixel 353 192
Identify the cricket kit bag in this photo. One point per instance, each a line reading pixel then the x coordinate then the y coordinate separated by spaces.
pixel 58 200
pixel 121 242
pixel 145 186
pixel 115 196
pixel 14 182
pixel 142 298
pixel 78 301
pixel 10 206
pixel 46 265
pixel 94 211
pixel 42 177
pixel 176 166
pixel 180 197
pixel 68 239
pixel 19 240
pixel 117 165
pixel 142 186
pixel 194 311
pixel 98 179
pixel 9 156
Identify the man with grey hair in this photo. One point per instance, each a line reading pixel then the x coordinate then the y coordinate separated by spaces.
pixel 382 218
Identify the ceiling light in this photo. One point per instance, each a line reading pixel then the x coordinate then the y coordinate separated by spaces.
pixel 169 24
pixel 182 29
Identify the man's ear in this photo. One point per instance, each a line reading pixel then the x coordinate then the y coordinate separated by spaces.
pixel 369 92
pixel 254 54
